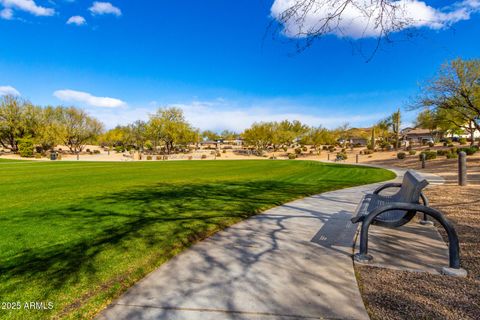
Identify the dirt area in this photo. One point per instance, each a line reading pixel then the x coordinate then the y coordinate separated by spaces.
pixel 390 294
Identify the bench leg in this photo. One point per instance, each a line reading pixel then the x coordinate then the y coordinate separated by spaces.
pixel 453 244
pixel 424 221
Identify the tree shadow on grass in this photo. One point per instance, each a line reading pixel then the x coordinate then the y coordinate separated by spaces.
pixel 162 219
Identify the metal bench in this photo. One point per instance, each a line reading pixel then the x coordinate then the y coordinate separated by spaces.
pixel 398 209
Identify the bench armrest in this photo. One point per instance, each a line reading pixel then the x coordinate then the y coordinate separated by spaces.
pixel 386 186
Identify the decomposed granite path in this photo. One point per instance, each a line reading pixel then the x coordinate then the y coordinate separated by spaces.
pixel 291 262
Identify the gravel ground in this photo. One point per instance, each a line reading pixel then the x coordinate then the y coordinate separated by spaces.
pixel 390 294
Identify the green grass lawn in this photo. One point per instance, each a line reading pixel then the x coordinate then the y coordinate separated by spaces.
pixel 79 234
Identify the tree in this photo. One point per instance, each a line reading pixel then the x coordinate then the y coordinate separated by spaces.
pixel 18 119
pixel 138 134
pixel 259 135
pixel 76 128
pixel 46 134
pixel 305 21
pixel 428 119
pixel 456 91
pixel 168 126
pixel 316 137
pixel 228 135
pixel 114 137
pixel 210 135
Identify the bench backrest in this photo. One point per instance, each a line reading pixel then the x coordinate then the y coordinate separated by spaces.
pixel 411 189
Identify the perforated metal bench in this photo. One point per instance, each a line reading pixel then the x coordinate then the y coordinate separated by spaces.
pixel 398 209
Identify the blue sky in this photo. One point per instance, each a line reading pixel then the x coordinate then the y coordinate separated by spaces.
pixel 121 60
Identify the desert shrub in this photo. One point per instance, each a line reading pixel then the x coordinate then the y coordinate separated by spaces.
pixel 285 149
pixel 342 156
pixel 119 149
pixel 218 154
pixel 469 151
pixel 298 150
pixel 450 145
pixel 204 156
pixel 443 152
pixel 96 151
pixel 272 158
pixel 412 152
pixel 25 147
pixel 304 149
pixel 368 151
pixel 149 157
pixel 292 156
pixel 190 157
pixel 401 155
pixel 224 151
pixel 324 148
pixel 429 155
pixel 462 141
pixel 431 144
pixel 158 157
pixel 452 155
pixel 332 149
pixel 38 155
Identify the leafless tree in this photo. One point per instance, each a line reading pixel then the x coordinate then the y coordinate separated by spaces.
pixel 305 21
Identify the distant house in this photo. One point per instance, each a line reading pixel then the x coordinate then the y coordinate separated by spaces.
pixel 357 136
pixel 359 141
pixel 419 135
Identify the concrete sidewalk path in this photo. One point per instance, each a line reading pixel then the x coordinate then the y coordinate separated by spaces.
pixel 291 262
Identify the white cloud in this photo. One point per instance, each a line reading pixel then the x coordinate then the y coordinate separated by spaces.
pixel 361 18
pixel 219 115
pixel 76 20
pixel 27 5
pixel 8 90
pixel 6 14
pixel 88 99
pixel 99 8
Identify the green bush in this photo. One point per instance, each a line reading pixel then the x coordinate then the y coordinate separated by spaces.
pixel 452 155
pixel 469 151
pixel 119 149
pixel 292 156
pixel 462 141
pixel 443 152
pixel 26 148
pixel 412 152
pixel 342 156
pixel 401 155
pixel 429 155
